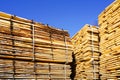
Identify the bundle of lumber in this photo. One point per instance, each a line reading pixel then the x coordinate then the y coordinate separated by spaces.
pixel 22 38
pixel 86 52
pixel 24 70
pixel 109 22
pixel 27 44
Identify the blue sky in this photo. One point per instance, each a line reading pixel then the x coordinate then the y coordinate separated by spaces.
pixel 69 15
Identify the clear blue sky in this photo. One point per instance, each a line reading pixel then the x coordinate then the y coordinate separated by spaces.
pixel 70 15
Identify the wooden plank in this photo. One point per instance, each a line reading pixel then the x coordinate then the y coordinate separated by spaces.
pixel 109 21
pixel 23 58
pixel 86 50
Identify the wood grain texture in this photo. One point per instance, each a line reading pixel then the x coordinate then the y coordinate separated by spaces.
pixel 109 22
pixel 86 52
pixel 31 50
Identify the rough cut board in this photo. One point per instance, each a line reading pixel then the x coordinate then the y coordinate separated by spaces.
pixel 26 70
pixel 19 33
pixel 86 53
pixel 109 23
pixel 33 51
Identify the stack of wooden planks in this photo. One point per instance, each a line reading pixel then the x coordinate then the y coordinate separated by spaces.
pixel 23 70
pixel 109 23
pixel 31 50
pixel 86 52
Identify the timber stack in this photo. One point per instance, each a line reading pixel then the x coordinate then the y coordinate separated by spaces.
pixel 109 23
pixel 31 50
pixel 86 52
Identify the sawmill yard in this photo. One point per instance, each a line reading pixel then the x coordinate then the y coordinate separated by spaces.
pixel 30 50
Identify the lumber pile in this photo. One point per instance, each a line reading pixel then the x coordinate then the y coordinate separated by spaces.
pixel 86 52
pixel 27 71
pixel 32 50
pixel 109 22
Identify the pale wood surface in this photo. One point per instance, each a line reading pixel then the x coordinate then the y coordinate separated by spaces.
pixel 83 42
pixel 109 22
pixel 31 50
